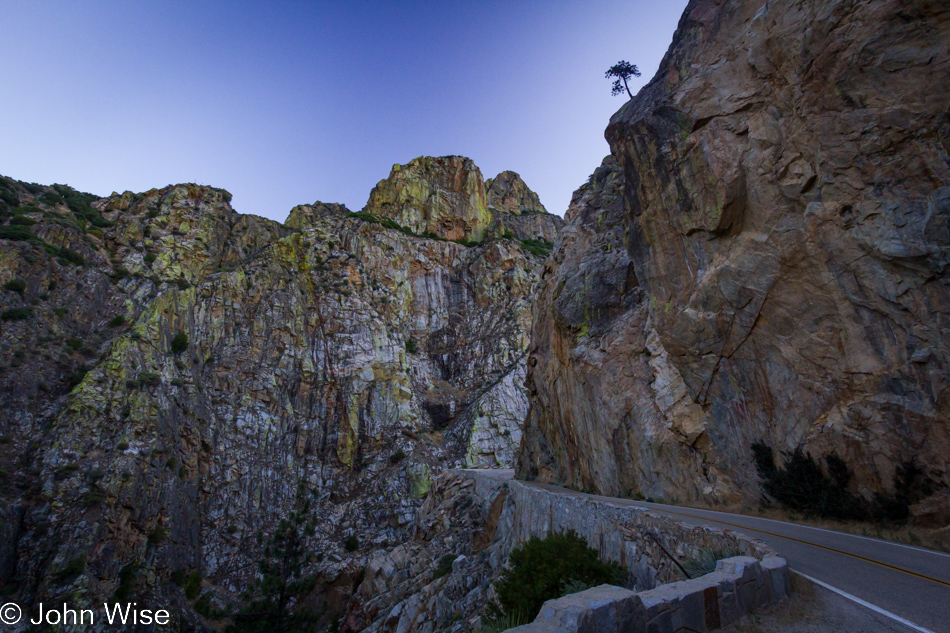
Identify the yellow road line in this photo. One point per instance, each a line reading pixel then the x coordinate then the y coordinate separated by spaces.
pixel 743 527
pixel 830 549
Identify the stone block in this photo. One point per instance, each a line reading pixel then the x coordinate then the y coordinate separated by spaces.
pixel 692 610
pixel 662 623
pixel 775 568
pixel 569 613
pixel 728 608
pixel 711 615
pixel 745 595
pixel 538 627
pixel 744 568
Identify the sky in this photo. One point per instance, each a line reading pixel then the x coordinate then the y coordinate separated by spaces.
pixel 291 101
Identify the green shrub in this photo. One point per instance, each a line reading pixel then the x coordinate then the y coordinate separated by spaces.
pixel 541 567
pixel 20 220
pixel 8 194
pixel 17 234
pixel 73 568
pixel 351 544
pixel 66 470
pixel 149 257
pixel 74 343
pixel 15 314
pixel 126 582
pixel 192 585
pixel 411 346
pixel 397 457
pixel 203 606
pixel 65 255
pixel 120 273
pixel 15 285
pixel 51 198
pixel 157 535
pixel 117 321
pixel 79 204
pixel 122 445
pixel 444 566
pixel 179 343
pixel 801 485
pixel 148 379
pixel 537 246
pixel 93 496
pixel 76 377
pixel 59 311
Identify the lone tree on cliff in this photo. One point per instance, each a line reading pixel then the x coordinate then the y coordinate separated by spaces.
pixel 623 71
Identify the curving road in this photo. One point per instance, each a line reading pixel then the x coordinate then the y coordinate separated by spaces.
pixel 909 585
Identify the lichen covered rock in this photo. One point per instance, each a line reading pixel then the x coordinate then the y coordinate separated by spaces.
pixel 330 363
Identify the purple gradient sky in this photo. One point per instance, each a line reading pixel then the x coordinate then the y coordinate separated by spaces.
pixel 285 103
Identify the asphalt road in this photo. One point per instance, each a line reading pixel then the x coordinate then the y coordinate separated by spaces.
pixel 910 582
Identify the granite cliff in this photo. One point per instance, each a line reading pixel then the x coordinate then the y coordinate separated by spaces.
pixel 178 378
pixel 762 259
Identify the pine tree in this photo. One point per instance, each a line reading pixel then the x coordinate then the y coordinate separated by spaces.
pixel 623 70
pixel 283 575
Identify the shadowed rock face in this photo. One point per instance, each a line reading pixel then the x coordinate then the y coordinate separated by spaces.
pixel 255 363
pixel 771 260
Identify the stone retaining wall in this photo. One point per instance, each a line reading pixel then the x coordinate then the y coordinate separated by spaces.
pixel 739 586
pixel 642 541
pixel 478 517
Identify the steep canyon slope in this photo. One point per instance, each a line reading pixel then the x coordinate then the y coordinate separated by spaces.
pixel 178 378
pixel 763 258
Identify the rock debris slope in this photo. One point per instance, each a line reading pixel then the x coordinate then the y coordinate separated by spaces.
pixel 179 377
pixel 764 259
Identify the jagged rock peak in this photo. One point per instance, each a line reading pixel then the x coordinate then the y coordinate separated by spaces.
pixel 508 192
pixel 441 195
pixel 306 215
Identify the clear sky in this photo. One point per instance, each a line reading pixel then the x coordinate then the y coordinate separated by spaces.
pixel 289 102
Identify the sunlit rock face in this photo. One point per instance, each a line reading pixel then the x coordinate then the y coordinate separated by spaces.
pixel 765 259
pixel 446 197
pixel 257 368
pixel 443 196
pixel 508 193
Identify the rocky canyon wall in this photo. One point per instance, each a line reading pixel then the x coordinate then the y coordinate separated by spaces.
pixel 763 258
pixel 178 378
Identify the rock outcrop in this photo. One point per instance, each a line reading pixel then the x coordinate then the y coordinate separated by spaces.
pixel 446 197
pixel 182 377
pixel 441 196
pixel 766 261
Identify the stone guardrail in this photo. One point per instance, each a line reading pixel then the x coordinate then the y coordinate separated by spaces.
pixel 739 586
